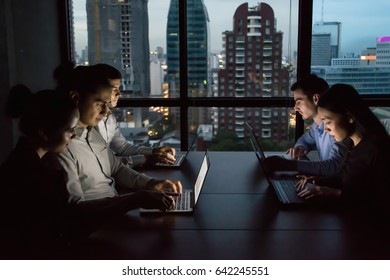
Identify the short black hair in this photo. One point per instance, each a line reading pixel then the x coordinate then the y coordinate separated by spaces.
pixel 83 79
pixel 88 80
pixel 108 71
pixel 310 85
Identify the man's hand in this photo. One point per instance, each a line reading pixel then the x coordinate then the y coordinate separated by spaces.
pixel 163 154
pixel 317 192
pixel 297 153
pixel 167 186
pixel 155 200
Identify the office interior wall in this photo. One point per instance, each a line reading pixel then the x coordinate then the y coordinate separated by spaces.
pixel 29 52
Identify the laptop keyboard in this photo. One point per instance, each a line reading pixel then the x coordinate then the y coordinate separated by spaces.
pixel 288 190
pixel 182 201
pixel 179 158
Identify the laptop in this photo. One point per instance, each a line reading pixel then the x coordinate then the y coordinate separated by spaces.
pixel 284 188
pixel 179 157
pixel 257 145
pixel 186 202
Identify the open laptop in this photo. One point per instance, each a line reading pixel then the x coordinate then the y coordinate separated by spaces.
pixel 179 157
pixel 257 145
pixel 284 188
pixel 186 202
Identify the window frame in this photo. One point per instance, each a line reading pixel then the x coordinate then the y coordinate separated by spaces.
pixel 305 21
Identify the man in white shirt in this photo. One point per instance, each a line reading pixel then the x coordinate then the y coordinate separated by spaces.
pixel 98 182
pixel 108 127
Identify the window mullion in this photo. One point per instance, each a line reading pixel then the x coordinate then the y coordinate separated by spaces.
pixel 183 74
pixel 305 21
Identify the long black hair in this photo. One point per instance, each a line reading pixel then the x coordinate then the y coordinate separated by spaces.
pixel 345 100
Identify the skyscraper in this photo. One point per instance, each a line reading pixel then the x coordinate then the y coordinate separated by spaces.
pixel 71 31
pixel 156 75
pixel 383 51
pixel 253 68
pixel 198 50
pixel 118 35
pixel 334 29
pixel 368 74
pixel 321 51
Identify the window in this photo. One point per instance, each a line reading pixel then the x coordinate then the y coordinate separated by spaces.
pixel 339 56
pixel 153 126
pixel 274 51
pixel 383 114
pixel 235 137
pixel 266 133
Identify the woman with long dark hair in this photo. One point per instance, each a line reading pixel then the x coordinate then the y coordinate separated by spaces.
pixel 33 190
pixel 364 181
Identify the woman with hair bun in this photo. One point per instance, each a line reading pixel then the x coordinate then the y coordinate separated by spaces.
pixel 33 190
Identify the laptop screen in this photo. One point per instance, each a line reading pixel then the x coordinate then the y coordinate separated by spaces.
pixel 257 147
pixel 191 147
pixel 254 141
pixel 201 177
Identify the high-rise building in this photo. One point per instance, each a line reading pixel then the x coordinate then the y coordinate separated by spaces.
pixel 118 35
pixel 84 56
pixel 139 41
pixel 365 79
pixel 369 74
pixel 198 50
pixel 216 63
pixel 253 68
pixel 156 76
pixel 321 53
pixel 383 51
pixel 160 53
pixel 71 31
pixel 334 29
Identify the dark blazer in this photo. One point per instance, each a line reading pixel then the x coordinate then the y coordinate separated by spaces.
pixel 33 204
pixel 366 176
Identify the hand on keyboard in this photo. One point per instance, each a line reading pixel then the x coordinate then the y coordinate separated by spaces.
pixel 319 192
pixel 164 155
pixel 155 200
pixel 304 180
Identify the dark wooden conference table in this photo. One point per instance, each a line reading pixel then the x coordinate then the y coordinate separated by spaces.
pixel 238 217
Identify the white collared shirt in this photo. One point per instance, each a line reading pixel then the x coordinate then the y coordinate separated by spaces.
pixel 94 172
pixel 108 128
